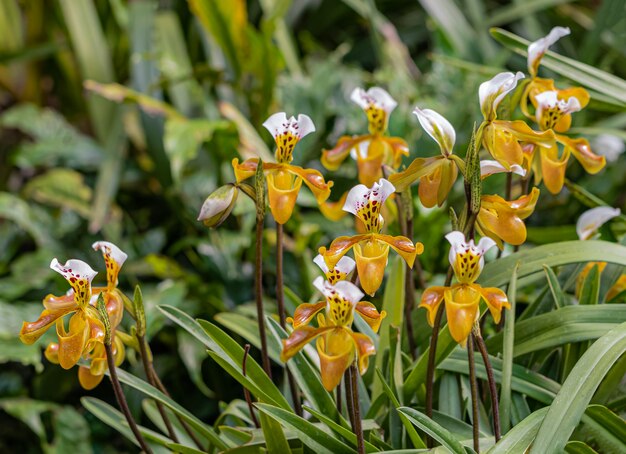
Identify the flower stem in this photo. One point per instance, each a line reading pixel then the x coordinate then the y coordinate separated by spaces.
pixel 339 399
pixel 258 293
pixel 280 300
pixel 145 360
pixel 492 386
pixel 121 399
pixel 246 393
pixel 357 428
pixel 474 391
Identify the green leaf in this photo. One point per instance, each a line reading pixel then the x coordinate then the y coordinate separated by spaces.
pixel 605 428
pixel 305 375
pixel 275 440
pixel 433 429
pixel 453 23
pixel 555 288
pixel 518 10
pixel 182 449
pixel 71 431
pixel 249 330
pixel 591 287
pixel 562 326
pixel 566 411
pixel 309 434
pixel 578 447
pixel 63 188
pixel 26 217
pixel 581 73
pixel 507 353
pixel 519 438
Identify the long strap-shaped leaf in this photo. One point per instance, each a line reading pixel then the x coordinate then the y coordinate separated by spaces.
pixel 570 403
pixel 433 429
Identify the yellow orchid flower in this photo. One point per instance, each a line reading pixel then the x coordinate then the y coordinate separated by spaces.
pixel 283 179
pixel 436 175
pixel 371 248
pixel 337 345
pixel 504 139
pixel 370 151
pixel 503 220
pixel 462 300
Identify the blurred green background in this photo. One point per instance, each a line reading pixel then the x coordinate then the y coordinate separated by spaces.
pixel 132 163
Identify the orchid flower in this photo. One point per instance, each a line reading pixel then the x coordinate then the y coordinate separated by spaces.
pixel 538 48
pixel 371 248
pixel 337 345
pixel 436 175
pixel 503 220
pixel 218 205
pixel 503 139
pixel 370 151
pixel 283 179
pixel 85 334
pixel 462 300
pixel 339 272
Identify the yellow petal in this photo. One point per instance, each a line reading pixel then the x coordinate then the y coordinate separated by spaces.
pixel 332 159
pixel 72 342
pixel 314 181
pixel 52 353
pixel 496 300
pixel 431 299
pixel 371 261
pixel 66 301
pixel 399 148
pixel 419 168
pixel 462 310
pixel 553 168
pixel 87 380
pixel 334 210
pixel 31 331
pixel 305 312
pixel 502 139
pixel 298 338
pixel 403 246
pixel 580 148
pixel 282 193
pixel 244 170
pixel 370 314
pixel 339 247
pixel 503 220
pixel 336 352
pixel 364 349
pixel 370 166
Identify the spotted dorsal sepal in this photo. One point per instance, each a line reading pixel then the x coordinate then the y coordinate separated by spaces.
pixel 366 203
pixel 377 104
pixel 114 258
pixel 551 109
pixel 341 270
pixel 341 299
pixel 79 275
pixel 287 132
pixel 467 258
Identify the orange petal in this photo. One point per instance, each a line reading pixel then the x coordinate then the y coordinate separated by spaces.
pixel 298 338
pixel 370 166
pixel 339 247
pixel 419 168
pixel 52 353
pixel 370 314
pixel 31 331
pixel 119 350
pixel 87 380
pixel 332 159
pixel 553 168
pixel 364 349
pixel 580 148
pixel 72 342
pixel 244 170
pixel 579 93
pixel 431 299
pixel 115 307
pixel 371 261
pixel 501 219
pixel 334 210
pixel 282 193
pixel 305 312
pixel 336 352
pixel 502 139
pixel 399 148
pixel 314 181
pixel 66 301
pixel 403 246
pixel 462 310
pixel 496 300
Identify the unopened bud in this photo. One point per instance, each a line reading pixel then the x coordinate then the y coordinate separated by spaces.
pixel 218 205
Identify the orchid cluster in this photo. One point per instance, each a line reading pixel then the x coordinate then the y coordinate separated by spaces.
pixel 84 336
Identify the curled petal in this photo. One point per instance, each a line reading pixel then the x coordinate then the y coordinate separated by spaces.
pixel 314 181
pixel 496 300
pixel 73 341
pixel 364 349
pixel 332 159
pixel 87 380
pixel 462 310
pixel 438 128
pixel 282 192
pixel 305 312
pixel 334 210
pixel 66 301
pixel 336 352
pixel 431 299
pixel 339 247
pixel 217 206
pixel 419 168
pixel 580 148
pixel 31 331
pixel 591 220
pixel 492 92
pixel 538 48
pixel 79 275
pixel 403 246
pixel 299 337
pixel 370 314
pixel 371 260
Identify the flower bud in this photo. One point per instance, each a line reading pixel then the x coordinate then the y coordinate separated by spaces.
pixel 218 205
